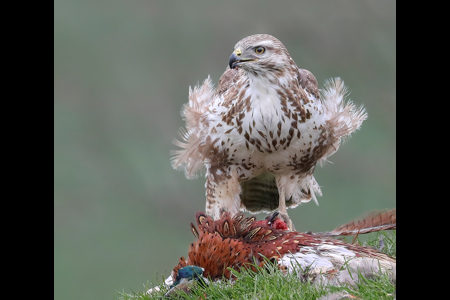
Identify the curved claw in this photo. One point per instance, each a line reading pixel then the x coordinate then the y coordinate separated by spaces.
pixel 287 220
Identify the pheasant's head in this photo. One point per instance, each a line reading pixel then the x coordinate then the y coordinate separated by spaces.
pixel 185 280
pixel 188 273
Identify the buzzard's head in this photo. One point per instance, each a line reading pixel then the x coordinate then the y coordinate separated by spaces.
pixel 260 53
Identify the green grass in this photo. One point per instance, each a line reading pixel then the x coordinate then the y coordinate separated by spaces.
pixel 271 283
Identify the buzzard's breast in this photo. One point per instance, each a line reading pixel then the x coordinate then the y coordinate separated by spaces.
pixel 265 129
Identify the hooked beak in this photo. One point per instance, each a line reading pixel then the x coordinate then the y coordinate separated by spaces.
pixel 236 59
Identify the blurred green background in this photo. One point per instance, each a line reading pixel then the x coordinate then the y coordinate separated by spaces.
pixel 122 72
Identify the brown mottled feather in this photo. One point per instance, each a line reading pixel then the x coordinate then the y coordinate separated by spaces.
pixel 308 82
pixel 225 81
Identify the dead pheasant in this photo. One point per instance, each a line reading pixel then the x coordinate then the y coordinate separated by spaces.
pixel 240 242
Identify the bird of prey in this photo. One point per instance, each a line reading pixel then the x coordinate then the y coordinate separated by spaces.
pixel 262 131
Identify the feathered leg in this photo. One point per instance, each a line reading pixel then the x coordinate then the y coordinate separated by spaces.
pixel 222 195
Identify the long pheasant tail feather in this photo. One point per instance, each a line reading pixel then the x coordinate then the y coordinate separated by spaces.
pixel 371 222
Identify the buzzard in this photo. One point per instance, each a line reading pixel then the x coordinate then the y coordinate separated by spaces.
pixel 262 131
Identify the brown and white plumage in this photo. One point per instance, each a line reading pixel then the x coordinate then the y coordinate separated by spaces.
pixel 261 132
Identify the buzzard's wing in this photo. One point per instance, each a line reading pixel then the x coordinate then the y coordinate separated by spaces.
pixel 226 81
pixel 308 82
pixel 193 145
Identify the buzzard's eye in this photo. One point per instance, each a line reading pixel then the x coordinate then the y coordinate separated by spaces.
pixel 260 50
